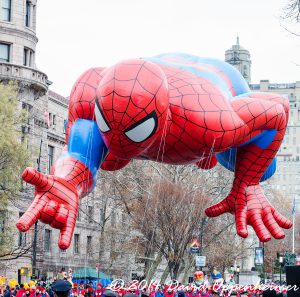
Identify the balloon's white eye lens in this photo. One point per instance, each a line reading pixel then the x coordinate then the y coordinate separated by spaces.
pixel 101 122
pixel 143 129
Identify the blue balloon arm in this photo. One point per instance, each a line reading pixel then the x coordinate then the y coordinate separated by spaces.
pixel 86 145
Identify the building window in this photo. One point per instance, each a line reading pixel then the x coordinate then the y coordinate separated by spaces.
pixel 90 214
pixel 47 240
pixel 6 10
pixel 76 243
pixel 22 235
pixel 22 239
pixel 292 116
pixel 54 120
pixel 294 140
pixel 65 126
pixel 50 118
pixel 26 107
pixel 25 57
pixel 28 16
pixel 4 52
pixel 50 157
pixel 89 245
pixel 30 58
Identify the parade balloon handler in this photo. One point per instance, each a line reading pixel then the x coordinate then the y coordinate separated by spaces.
pixel 171 108
pixel 61 288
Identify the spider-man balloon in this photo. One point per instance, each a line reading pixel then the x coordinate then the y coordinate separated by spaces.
pixel 172 108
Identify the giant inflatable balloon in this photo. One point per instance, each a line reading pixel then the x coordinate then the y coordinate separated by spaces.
pixel 199 277
pixel 171 108
pixel 217 277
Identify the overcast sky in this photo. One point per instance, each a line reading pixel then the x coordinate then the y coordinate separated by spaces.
pixel 76 35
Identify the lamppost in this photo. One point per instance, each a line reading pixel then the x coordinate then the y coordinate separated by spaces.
pixel 203 222
pixel 281 260
pixel 238 274
pixel 35 234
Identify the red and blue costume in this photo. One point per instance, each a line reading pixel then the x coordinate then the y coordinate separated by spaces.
pixel 172 108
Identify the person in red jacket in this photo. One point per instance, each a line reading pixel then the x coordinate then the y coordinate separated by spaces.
pixel 21 292
pixel 81 290
pixel 99 290
pixel 38 292
pixel 74 290
pixel 32 291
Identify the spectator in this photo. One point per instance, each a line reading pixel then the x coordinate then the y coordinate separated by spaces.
pixel 7 292
pixel 21 292
pixel 61 288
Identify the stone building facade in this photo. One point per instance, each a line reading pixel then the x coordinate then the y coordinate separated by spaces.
pixel 45 136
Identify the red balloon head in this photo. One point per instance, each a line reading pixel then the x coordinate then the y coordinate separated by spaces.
pixel 131 107
pixel 198 275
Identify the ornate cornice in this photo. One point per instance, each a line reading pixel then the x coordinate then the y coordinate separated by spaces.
pixel 9 29
pixel 29 77
pixel 56 138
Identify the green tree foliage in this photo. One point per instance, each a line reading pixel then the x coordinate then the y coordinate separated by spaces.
pixel 14 157
pixel 13 152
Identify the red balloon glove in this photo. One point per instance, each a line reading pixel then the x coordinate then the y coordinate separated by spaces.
pixel 57 197
pixel 55 203
pixel 251 207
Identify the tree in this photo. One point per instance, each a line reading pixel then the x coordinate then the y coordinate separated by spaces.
pixel 292 10
pixel 13 158
pixel 170 221
pixel 166 205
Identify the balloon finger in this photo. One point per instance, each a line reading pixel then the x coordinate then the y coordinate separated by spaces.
pixel 62 215
pixel 241 221
pixel 260 229
pixel 31 215
pixel 282 221
pixel 217 209
pixel 66 233
pixel 34 177
pixel 272 226
pixel 49 212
